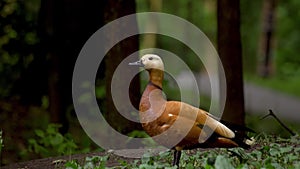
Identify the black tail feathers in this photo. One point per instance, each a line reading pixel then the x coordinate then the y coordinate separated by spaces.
pixel 241 137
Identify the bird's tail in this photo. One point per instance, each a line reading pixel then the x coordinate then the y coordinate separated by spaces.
pixel 241 137
pixel 244 141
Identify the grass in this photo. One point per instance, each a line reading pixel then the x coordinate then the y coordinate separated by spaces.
pixel 270 125
pixel 285 85
pixel 270 152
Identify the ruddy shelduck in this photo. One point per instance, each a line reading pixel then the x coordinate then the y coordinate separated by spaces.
pixel 194 128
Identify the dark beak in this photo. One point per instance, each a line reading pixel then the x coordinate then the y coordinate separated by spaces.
pixel 138 63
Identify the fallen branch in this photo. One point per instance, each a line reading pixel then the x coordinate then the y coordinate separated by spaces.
pixel 280 122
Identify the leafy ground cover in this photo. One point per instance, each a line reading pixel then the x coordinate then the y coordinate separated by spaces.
pixel 270 152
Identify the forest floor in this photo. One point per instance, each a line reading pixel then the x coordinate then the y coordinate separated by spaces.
pixel 115 157
pixel 268 152
pixel 59 162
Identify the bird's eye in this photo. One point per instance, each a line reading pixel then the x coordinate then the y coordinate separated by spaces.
pixel 150 58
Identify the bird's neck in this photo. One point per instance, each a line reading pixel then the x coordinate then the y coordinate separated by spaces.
pixel 153 92
pixel 156 77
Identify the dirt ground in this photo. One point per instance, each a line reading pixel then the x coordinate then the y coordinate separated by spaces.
pixel 128 155
pixel 59 162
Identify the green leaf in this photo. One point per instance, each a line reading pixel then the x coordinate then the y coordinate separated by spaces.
pixel 146 166
pixel 189 166
pixel 39 133
pixel 274 152
pixel 297 149
pixel 297 165
pixel 266 148
pixel 256 154
pixel 223 163
pixel 295 139
pixel 56 140
pixel 89 165
pixel 285 149
pixel 41 150
pixel 146 158
pixel 292 158
pixel 207 166
pixel 277 166
pixel 53 128
pixel 174 167
pixel 100 91
pixel 32 141
pixel 72 165
pixel 244 166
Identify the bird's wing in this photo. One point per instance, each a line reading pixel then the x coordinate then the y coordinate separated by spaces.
pixel 200 117
pixel 232 125
pixel 185 132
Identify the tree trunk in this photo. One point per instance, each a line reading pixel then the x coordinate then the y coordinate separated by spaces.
pixel 264 65
pixel 64 28
pixel 230 51
pixel 150 40
pixel 114 10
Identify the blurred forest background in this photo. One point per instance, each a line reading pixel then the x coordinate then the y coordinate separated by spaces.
pixel 40 41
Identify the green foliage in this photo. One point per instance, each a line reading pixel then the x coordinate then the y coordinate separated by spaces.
pixel 51 143
pixel 161 161
pixel 223 163
pixel 18 39
pixel 269 152
pixel 250 18
pixel 95 162
pixel 203 16
pixel 141 134
pixel 287 59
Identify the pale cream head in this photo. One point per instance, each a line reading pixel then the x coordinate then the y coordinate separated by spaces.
pixel 152 61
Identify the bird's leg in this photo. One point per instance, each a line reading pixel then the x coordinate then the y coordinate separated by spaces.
pixel 177 155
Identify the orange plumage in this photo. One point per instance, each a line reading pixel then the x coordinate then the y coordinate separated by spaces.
pixel 189 126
